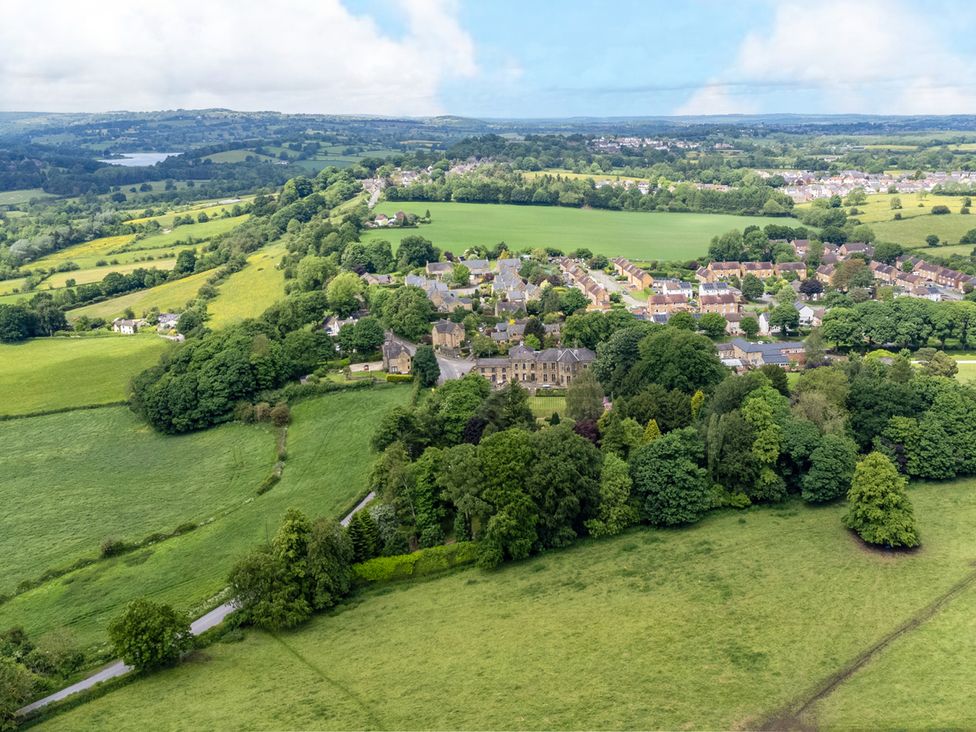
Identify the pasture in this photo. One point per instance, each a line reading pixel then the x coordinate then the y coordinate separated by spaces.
pixel 55 373
pixel 97 274
pixel 637 235
pixel 22 197
pixel 248 293
pixel 202 232
pixel 85 254
pixel 211 209
pixel 167 297
pixel 74 479
pixel 732 623
pixel 328 461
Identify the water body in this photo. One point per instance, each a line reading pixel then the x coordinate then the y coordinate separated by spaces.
pixel 131 160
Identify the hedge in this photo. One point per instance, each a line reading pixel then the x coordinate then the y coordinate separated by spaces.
pixel 418 564
pixel 397 378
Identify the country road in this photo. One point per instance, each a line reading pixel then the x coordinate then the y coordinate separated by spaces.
pixel 204 623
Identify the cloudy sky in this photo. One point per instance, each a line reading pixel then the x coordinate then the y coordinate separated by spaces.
pixel 491 58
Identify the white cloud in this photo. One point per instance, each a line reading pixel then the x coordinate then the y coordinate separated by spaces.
pixel 287 55
pixel 715 98
pixel 873 56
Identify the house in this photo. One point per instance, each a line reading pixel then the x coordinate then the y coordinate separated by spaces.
pixel 126 326
pixel 479 268
pixel 447 334
pixel 721 270
pixel 397 355
pixel 718 288
pixel 505 309
pixel 784 268
pixel 722 304
pixel 506 332
pixel 636 277
pixel 439 270
pixel 801 247
pixel 825 272
pixel 333 324
pixel 762 270
pixel 167 321
pixel 674 287
pixel 883 272
pixel 667 304
pixel 448 302
pixel 548 367
pixel 376 279
pixel 855 247
pixel 810 317
pixel 754 355
pixel 733 323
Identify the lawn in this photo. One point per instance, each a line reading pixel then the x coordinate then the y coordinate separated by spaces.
pixel 328 461
pixel 248 293
pixel 637 235
pixel 544 406
pixel 967 371
pixel 168 296
pixel 52 373
pixel 722 625
pixel 71 480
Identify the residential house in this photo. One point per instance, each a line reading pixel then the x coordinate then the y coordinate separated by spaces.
pixel 722 304
pixel 825 272
pixel 674 287
pixel 801 247
pixel 479 268
pixel 548 367
pixel 721 270
pixel 762 270
pixel 505 309
pixel 126 326
pixel 883 272
pixel 439 269
pixel 636 277
pixel 376 279
pixel 397 355
pixel 855 247
pixel 810 317
pixel 509 332
pixel 717 288
pixel 447 334
pixel 657 304
pixel 754 355
pixel 784 268
pixel 167 321
pixel 448 302
pixel 333 324
pixel 733 323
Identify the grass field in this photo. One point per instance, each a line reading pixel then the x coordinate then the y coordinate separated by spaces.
pixel 84 255
pixel 73 479
pixel 18 198
pixel 97 274
pixel 728 624
pixel 211 209
pixel 52 373
pixel 967 371
pixel 204 231
pixel 654 235
pixel 248 293
pixel 167 296
pixel 328 460
pixel 7 287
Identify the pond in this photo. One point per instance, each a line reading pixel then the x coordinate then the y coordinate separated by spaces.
pixel 131 160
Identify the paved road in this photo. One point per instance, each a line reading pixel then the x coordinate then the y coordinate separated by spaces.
pixel 626 294
pixel 212 619
pixel 453 368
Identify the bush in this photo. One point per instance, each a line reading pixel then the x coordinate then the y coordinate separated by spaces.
pixel 399 378
pixel 940 210
pixel 418 564
pixel 280 415
pixel 112 547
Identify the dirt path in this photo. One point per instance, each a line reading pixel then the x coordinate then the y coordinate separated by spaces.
pixel 791 717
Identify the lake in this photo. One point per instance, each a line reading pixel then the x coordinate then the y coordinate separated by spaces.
pixel 131 160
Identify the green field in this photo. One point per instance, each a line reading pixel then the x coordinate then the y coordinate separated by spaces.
pixel 653 235
pixel 167 297
pixel 86 254
pixel 732 623
pixel 204 231
pixel 211 209
pixel 18 198
pixel 248 293
pixel 328 460
pixel 97 274
pixel 74 479
pixel 7 287
pixel 53 373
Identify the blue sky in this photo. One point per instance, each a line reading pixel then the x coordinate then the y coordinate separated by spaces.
pixel 492 58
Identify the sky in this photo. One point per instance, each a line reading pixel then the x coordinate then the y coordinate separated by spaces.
pixel 491 58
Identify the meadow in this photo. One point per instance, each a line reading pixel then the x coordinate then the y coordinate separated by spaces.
pixel 325 473
pixel 97 274
pixel 57 373
pixel 201 231
pixel 72 480
pixel 211 209
pixel 637 235
pixel 167 297
pixel 86 254
pixel 19 198
pixel 251 291
pixel 733 623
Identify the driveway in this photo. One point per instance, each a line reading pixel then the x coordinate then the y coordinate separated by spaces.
pixel 453 368
pixel 613 286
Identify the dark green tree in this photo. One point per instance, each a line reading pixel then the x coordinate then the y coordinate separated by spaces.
pixel 879 509
pixel 148 635
pixel 425 366
pixel 831 469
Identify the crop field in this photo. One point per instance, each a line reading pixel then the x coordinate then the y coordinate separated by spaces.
pixel 167 296
pixel 74 479
pixel 328 461
pixel 638 235
pixel 54 373
pixel 248 293
pixel 734 623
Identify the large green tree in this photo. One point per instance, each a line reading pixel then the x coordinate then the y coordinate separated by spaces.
pixel 149 635
pixel 669 484
pixel 879 509
pixel 584 397
pixel 831 469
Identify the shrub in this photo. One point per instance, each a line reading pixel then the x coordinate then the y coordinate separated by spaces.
pixel 280 415
pixel 940 210
pixel 399 378
pixel 112 547
pixel 418 564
